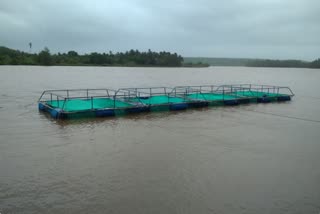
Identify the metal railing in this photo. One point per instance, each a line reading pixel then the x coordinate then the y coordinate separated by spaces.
pixel 63 96
pixel 140 94
pixel 234 89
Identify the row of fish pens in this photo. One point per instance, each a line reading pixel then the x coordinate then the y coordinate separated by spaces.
pixel 74 103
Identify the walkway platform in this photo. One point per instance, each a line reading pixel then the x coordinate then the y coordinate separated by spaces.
pixel 77 103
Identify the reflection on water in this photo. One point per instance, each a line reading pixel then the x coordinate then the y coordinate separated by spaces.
pixel 259 158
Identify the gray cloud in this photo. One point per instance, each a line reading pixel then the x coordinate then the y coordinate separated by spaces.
pixel 234 28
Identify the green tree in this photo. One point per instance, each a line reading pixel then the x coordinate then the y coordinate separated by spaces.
pixel 72 53
pixel 5 60
pixel 315 64
pixel 44 57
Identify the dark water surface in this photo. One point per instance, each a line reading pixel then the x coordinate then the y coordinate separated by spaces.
pixel 259 158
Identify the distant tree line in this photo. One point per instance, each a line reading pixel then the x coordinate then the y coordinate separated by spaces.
pixel 136 58
pixel 284 63
pixel 214 61
pixel 252 62
pixel 129 58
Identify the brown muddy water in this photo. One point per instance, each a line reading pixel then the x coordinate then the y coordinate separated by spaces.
pixel 258 158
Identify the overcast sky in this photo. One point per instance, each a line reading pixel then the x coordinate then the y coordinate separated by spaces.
pixel 285 29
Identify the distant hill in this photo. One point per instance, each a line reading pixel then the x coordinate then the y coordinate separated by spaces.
pixel 218 61
pixel 253 62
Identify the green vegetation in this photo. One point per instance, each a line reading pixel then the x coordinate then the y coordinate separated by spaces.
pixel 12 57
pixel 44 57
pixel 129 58
pixel 136 58
pixel 315 64
pixel 254 62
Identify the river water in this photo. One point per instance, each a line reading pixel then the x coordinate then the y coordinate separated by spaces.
pixel 257 158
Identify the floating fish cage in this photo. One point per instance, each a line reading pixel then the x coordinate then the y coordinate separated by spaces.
pixel 75 103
